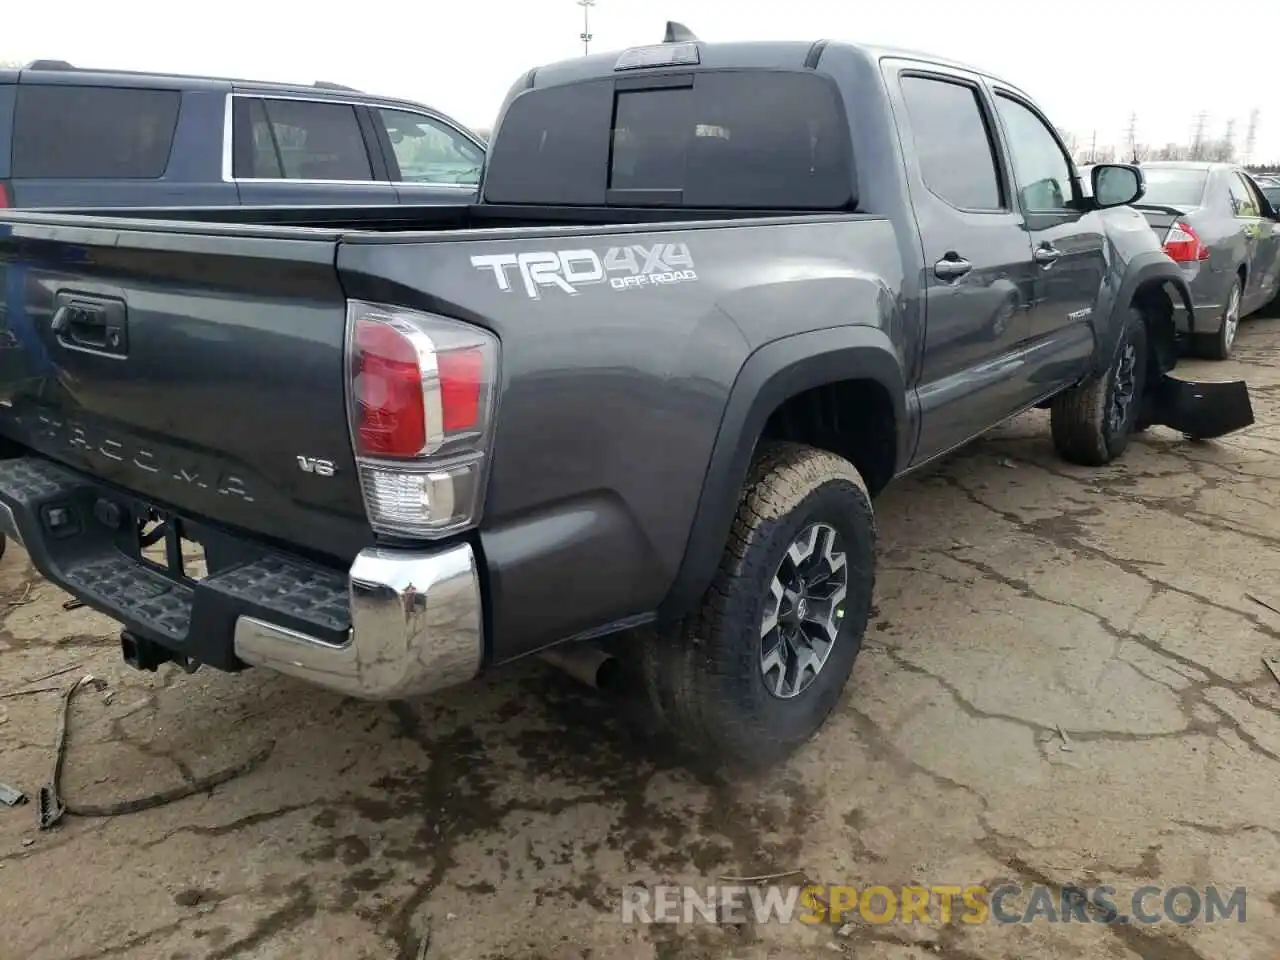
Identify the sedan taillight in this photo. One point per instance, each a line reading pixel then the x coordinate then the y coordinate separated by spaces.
pixel 1183 244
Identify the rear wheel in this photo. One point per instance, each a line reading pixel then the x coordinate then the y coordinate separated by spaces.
pixel 755 673
pixel 1093 423
pixel 1217 346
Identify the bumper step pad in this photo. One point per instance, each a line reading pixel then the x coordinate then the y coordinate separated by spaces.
pixel 195 618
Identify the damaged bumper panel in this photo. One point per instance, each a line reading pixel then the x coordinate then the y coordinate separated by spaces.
pixel 1201 409
pixel 398 624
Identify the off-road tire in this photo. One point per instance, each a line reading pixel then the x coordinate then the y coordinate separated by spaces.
pixel 704 676
pixel 1079 418
pixel 1218 346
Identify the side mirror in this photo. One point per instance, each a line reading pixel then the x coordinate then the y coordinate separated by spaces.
pixel 1117 184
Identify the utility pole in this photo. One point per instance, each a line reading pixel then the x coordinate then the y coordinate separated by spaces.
pixel 585 36
pixel 1093 147
pixel 1131 135
pixel 1251 135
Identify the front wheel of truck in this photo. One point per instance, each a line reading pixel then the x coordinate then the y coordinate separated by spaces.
pixel 1093 423
pixel 755 673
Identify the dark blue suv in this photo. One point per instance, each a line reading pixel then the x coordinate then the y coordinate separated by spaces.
pixel 86 138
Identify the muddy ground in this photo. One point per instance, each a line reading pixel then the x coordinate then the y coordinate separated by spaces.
pixel 1017 595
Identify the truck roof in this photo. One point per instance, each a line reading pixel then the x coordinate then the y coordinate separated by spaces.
pixel 759 54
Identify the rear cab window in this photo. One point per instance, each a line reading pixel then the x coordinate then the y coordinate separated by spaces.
pixel 92 133
pixel 714 139
pixel 287 139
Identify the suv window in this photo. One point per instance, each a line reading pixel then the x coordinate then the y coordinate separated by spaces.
pixel 1243 202
pixel 302 140
pixel 92 133
pixel 1042 169
pixel 750 139
pixel 428 151
pixel 953 142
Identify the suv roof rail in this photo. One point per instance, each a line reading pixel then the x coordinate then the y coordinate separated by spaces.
pixel 48 65
pixel 330 85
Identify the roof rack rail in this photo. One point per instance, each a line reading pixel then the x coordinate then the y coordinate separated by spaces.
pixel 330 85
pixel 48 65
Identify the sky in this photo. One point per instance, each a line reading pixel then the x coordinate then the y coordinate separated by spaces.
pixel 1090 64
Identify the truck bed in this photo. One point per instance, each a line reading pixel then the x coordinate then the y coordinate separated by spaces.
pixel 229 407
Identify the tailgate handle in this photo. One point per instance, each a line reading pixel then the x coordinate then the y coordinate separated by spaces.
pixel 91 325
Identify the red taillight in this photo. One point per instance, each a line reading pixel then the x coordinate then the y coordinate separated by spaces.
pixel 390 406
pixel 1183 244
pixel 421 407
pixel 461 379
pixel 4 197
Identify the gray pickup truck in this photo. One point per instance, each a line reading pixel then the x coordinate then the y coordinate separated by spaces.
pixel 637 399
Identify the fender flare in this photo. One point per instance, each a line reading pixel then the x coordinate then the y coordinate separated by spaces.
pixel 1146 268
pixel 771 375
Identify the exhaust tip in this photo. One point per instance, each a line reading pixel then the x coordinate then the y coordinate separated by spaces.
pixel 587 664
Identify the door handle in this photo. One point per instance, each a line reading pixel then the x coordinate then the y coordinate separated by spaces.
pixel 91 325
pixel 951 267
pixel 1046 256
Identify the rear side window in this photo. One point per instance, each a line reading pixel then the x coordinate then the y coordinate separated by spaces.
pixel 93 133
pixel 1243 202
pixel 953 142
pixel 300 140
pixel 731 139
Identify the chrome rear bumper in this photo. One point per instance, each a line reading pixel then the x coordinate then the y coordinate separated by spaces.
pixel 416 628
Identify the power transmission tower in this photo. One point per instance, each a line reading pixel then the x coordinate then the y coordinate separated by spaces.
pixel 1198 133
pixel 585 36
pixel 1251 135
pixel 1131 136
pixel 1093 147
pixel 1228 150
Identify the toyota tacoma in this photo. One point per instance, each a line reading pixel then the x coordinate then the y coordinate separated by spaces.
pixel 637 398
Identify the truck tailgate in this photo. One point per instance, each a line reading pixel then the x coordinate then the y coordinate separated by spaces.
pixel 202 372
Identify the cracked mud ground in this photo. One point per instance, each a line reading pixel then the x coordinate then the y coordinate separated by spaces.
pixel 1017 594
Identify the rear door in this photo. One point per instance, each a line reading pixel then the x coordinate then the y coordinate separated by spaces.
pixel 978 270
pixel 294 151
pixel 1067 239
pixel 428 159
pixel 1264 246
